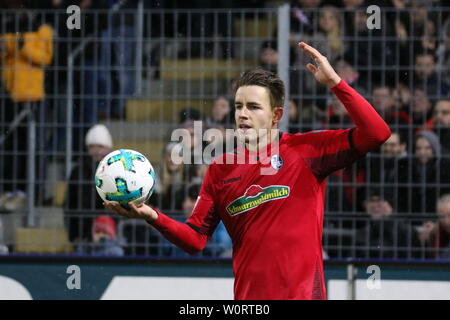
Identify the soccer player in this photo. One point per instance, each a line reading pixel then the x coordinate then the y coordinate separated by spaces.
pixel 274 220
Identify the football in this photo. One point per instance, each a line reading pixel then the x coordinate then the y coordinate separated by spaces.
pixel 125 176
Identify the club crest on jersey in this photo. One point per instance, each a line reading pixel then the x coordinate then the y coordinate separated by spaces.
pixel 256 195
pixel 276 161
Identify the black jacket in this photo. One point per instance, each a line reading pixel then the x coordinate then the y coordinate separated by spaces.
pixel 83 203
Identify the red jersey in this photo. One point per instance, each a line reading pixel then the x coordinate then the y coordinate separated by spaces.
pixel 275 220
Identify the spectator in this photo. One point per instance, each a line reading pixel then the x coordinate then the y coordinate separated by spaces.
pixel 403 97
pixel 104 239
pixel 294 119
pixel 385 169
pixel 193 143
pixel 443 52
pixel 349 7
pixel 369 49
pixel 426 77
pixel 304 19
pixel 189 114
pixel 330 33
pixel 422 28
pixel 220 113
pixel 421 108
pixel 83 202
pixel 268 56
pixel 337 116
pixel 428 171
pixel 384 101
pixel 118 53
pixel 383 235
pixel 394 147
pixel 171 175
pixel 25 50
pixel 350 75
pixel 440 123
pixel 413 29
pixel 435 237
pixel 56 74
pixel 91 107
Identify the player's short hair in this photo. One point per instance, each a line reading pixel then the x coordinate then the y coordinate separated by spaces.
pixel 266 79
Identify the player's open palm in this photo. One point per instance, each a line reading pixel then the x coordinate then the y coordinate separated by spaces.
pixel 141 212
pixel 322 71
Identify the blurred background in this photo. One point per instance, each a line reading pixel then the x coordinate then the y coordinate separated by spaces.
pixel 127 73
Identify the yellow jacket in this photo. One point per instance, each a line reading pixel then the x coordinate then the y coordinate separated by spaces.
pixel 23 68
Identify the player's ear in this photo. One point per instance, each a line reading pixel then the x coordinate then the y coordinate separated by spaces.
pixel 277 113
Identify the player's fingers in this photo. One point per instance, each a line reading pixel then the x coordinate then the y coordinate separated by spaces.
pixel 312 52
pixel 109 206
pixel 134 207
pixel 120 210
pixel 311 68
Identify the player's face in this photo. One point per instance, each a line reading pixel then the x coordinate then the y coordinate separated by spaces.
pixel 253 112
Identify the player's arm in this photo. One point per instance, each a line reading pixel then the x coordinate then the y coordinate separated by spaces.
pixel 371 130
pixel 180 234
pixel 191 236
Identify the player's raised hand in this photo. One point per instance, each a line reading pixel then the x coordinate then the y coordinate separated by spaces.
pixel 141 212
pixel 322 71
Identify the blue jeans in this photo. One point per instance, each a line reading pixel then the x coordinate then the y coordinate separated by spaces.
pixel 118 55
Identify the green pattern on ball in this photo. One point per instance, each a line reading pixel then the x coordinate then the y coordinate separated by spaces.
pixel 126 158
pixel 123 195
pixel 98 182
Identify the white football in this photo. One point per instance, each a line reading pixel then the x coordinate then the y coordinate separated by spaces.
pixel 125 176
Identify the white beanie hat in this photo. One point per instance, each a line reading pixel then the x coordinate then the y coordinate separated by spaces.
pixel 100 135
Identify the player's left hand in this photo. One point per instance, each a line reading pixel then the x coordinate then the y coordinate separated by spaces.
pixel 322 71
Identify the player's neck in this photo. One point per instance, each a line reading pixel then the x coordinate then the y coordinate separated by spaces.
pixel 263 142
